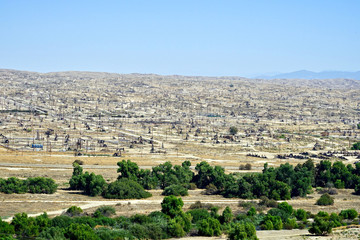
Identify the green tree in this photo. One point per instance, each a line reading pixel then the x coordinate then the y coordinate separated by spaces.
pixel 13 185
pixel 321 226
pixel 209 227
pixel 80 232
pixel 95 184
pixel 172 206
pixel 243 231
pixel 198 214
pixel 25 226
pixel 6 229
pixel 52 233
pixel 128 169
pixel 323 173
pixel 301 214
pixel 227 215
pixel 251 212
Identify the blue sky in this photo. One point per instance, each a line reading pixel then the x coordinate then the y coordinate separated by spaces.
pixel 195 37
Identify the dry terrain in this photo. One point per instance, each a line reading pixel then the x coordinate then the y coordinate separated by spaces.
pixel 49 120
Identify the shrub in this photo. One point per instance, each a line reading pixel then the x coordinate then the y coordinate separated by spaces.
pixel 211 189
pixel 321 226
pixel 348 214
pixel 233 130
pixel 300 214
pixel 290 224
pixel 125 189
pixel 192 186
pixel 356 146
pixel 6 229
pixel 104 211
pixel 198 214
pixel 80 231
pixel 325 200
pixel 227 215
pixel 245 166
pixel 199 204
pixel 251 212
pixel 41 185
pixel 13 185
pixel 74 211
pixel 241 231
pixel 176 190
pixel 264 201
pixel 77 161
pixel 52 233
pixel 94 184
pixel 209 227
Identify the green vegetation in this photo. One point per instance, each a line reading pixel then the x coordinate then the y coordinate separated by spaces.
pixel 233 130
pixel 170 222
pixel 281 183
pixel 176 190
pixel 95 185
pixel 125 189
pixel 356 146
pixel 30 185
pixel 325 200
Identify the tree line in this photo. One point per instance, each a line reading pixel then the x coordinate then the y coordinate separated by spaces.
pixel 172 221
pixel 278 183
pixel 30 185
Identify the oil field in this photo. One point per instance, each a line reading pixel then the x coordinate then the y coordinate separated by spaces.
pixel 49 121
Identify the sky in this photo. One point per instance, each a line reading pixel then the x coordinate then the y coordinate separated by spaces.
pixel 185 37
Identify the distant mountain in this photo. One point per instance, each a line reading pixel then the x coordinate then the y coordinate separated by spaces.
pixel 304 74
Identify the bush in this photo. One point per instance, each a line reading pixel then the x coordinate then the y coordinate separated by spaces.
pixel 13 185
pixel 209 227
pixel 356 146
pixel 6 229
pixel 301 214
pixel 290 224
pixel 233 130
pixel 41 185
pixel 52 233
pixel 348 214
pixel 192 186
pixel 264 201
pixel 325 200
pixel 77 161
pixel 104 211
pixel 125 189
pixel 241 231
pixel 211 189
pixel 245 166
pixel 321 226
pixel 94 184
pixel 74 211
pixel 176 190
pixel 251 212
pixel 80 231
pixel 198 214
pixel 199 204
